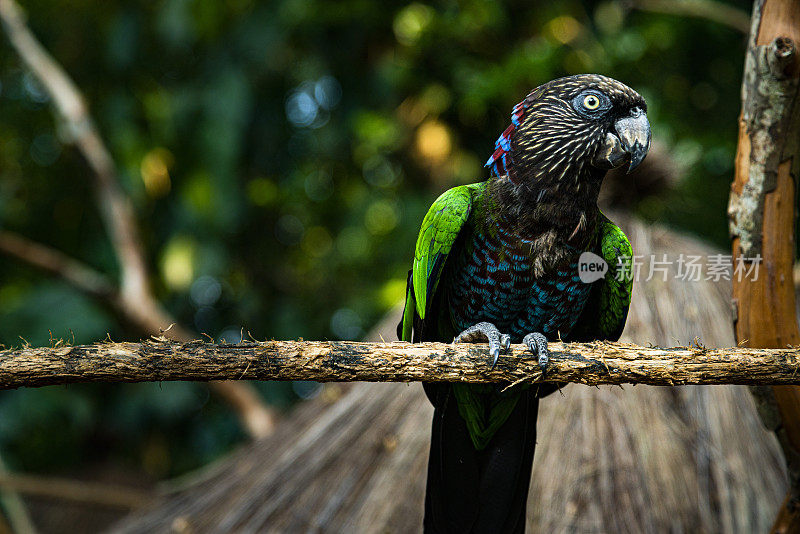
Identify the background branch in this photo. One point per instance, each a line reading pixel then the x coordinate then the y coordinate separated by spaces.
pixel 56 263
pixel 115 207
pixel 718 12
pixel 19 518
pixel 585 363
pixel 79 491
pixel 134 299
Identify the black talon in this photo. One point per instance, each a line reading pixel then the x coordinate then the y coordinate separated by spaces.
pixel 537 344
pixel 497 342
pixel 494 352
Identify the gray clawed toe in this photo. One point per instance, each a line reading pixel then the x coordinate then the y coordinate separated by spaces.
pixel 486 332
pixel 537 344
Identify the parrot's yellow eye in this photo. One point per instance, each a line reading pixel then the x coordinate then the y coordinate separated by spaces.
pixel 591 102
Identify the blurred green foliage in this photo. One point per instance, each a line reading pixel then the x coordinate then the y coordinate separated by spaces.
pixel 280 156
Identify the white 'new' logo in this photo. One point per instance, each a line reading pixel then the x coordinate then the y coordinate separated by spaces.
pixel 591 267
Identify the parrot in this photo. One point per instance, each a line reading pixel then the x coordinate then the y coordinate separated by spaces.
pixel 498 262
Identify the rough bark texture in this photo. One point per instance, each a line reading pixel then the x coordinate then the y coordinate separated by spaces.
pixel 762 215
pixel 761 208
pixel 325 361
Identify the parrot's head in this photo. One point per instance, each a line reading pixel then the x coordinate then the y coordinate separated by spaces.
pixel 573 129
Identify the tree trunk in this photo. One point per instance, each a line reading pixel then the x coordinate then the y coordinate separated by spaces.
pixel 762 215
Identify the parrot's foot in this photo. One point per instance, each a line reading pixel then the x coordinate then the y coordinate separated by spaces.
pixel 537 344
pixel 486 332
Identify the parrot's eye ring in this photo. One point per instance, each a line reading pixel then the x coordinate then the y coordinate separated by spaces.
pixel 591 102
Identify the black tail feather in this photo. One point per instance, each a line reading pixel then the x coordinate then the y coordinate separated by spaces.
pixel 475 491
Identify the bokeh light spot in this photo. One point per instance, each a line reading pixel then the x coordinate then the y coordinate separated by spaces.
pixel 411 22
pixel 609 17
pixel 301 109
pixel 433 141
pixel 317 241
pixel 564 29
pixel 353 243
pixel 205 291
pixel 262 191
pixel 308 105
pixel 382 217
pixel 378 171
pixel 177 263
pixel 327 92
pixel 155 172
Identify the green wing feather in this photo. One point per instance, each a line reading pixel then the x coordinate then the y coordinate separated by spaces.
pixel 483 410
pixel 439 231
pixel 605 312
pixel 405 330
pixel 440 228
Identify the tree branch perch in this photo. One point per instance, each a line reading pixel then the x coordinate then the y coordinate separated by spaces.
pixel 585 363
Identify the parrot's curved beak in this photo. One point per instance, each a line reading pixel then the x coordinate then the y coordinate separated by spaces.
pixel 634 134
pixel 630 141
